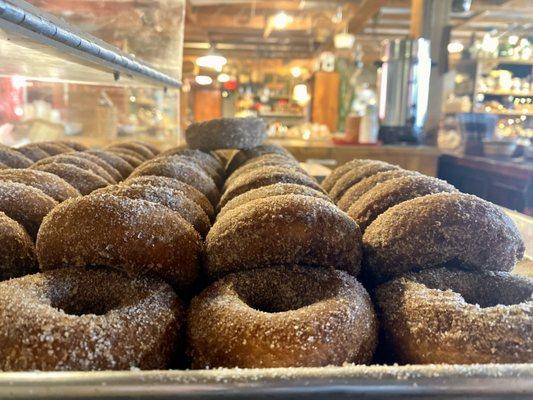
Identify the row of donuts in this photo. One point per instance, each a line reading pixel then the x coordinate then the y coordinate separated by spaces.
pixel 41 175
pixel 422 237
pixel 147 229
pixel 283 259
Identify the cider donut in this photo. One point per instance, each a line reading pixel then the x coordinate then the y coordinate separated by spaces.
pixel 188 191
pixel 338 172
pixel 287 229
pixel 276 189
pixel 264 176
pixel 51 185
pixel 84 181
pixel 53 148
pixel 84 319
pixel 111 171
pixel 13 158
pixel 142 151
pixel 136 236
pixel 205 167
pixel 25 204
pixel 226 133
pixel 205 158
pixel 182 171
pixel 356 191
pixel 394 191
pixel 288 316
pixel 354 176
pixel 443 229
pixel 121 165
pixel 152 147
pixel 76 146
pixel 240 157
pixel 130 157
pixel 442 316
pixel 17 253
pixel 174 199
pixel 80 162
pixel 32 151
pixel 266 160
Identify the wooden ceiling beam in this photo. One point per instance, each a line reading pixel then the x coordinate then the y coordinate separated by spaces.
pixel 364 12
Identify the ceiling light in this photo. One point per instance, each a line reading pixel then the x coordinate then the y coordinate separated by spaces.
pixel 344 40
pixel 213 61
pixel 281 20
pixel 455 47
pixel 203 80
pixel 223 78
pixel 296 72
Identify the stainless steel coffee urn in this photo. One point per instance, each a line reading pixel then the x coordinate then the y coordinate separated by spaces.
pixel 403 81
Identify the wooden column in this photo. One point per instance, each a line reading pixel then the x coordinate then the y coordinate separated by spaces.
pixel 325 99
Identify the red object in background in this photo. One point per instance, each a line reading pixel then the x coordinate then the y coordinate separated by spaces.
pixel 11 99
pixel 230 85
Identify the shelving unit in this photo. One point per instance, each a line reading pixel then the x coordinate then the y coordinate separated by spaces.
pixel 39 46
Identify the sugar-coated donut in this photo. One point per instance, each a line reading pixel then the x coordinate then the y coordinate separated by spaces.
pixel 150 146
pixel 356 175
pixel 264 176
pixel 136 236
pixel 394 191
pixel 226 133
pixel 458 317
pixel 84 181
pixel 183 171
pixel 25 204
pixel 166 196
pixel 188 191
pixel 121 165
pixel 204 157
pixel 13 158
pixel 84 319
pixel 356 191
pixel 197 162
pixel 76 146
pixel 338 172
pixel 80 162
pixel 3 166
pixel 54 148
pixel 129 156
pixel 117 177
pixel 443 229
pixel 266 160
pixel 17 252
pixel 240 157
pixel 52 185
pixel 32 151
pixel 288 316
pixel 142 151
pixel 287 229
pixel 276 189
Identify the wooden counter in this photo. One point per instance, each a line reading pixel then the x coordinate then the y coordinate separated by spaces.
pixel 418 158
pixel 506 183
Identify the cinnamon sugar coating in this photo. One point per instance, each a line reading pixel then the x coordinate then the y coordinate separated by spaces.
pixel 129 156
pixel 356 191
pixel 77 161
pixel 458 317
pixel 394 191
pixel 17 251
pixel 226 133
pixel 287 229
pixel 240 157
pixel 52 185
pixel 81 319
pixel 113 172
pixel 121 165
pixel 283 316
pixel 13 158
pixel 205 157
pixel 53 148
pixel 443 229
pixel 33 151
pixel 25 204
pixel 135 236
pixel 338 172
pixel 264 176
pixel 142 151
pixel 84 181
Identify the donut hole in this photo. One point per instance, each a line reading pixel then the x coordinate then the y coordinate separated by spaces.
pixel 487 290
pixel 282 296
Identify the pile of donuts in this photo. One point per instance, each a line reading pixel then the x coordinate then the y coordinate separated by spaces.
pixel 226 253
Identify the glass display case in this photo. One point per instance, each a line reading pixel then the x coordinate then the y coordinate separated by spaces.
pixel 92 70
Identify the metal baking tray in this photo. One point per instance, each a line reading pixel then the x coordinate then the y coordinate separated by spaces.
pixel 509 381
